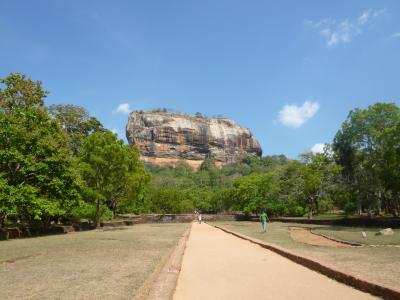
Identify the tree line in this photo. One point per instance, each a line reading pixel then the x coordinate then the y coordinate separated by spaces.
pixel 359 172
pixel 58 163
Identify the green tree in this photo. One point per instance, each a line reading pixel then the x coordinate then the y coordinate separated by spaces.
pixel 76 122
pixel 207 165
pixel 21 92
pixel 390 171
pixel 290 187
pixel 317 176
pixel 8 204
pixel 255 192
pixel 112 172
pixel 38 180
pixel 167 200
pixel 222 199
pixel 364 146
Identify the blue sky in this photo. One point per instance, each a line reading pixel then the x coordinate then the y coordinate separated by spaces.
pixel 288 70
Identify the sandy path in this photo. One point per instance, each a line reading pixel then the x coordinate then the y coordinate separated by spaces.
pixel 217 265
pixel 304 235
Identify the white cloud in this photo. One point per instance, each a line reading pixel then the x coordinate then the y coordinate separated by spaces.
pixel 295 116
pixel 396 35
pixel 338 32
pixel 318 148
pixel 369 14
pixel 114 130
pixel 123 108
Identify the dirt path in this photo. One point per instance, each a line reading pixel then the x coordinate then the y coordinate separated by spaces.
pixel 304 235
pixel 217 265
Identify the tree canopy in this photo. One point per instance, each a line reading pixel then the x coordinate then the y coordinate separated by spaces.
pixel 38 180
pixel 60 163
pixel 367 148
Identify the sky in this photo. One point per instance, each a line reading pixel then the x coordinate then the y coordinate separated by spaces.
pixel 290 71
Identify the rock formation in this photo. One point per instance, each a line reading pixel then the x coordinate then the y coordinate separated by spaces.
pixel 164 138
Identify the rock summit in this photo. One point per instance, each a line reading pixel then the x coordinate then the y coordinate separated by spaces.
pixel 164 138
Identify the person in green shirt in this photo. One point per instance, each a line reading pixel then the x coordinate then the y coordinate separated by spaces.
pixel 264 219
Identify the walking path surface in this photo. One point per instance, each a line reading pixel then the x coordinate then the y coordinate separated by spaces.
pixel 217 265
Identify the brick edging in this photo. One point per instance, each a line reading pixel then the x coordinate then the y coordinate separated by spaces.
pixel 161 284
pixel 355 244
pixel 360 284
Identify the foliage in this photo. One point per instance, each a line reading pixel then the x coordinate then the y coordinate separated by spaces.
pixel 8 204
pixel 367 148
pixel 112 172
pixel 317 176
pixel 59 162
pixel 87 211
pixel 20 92
pixel 38 181
pixel 76 122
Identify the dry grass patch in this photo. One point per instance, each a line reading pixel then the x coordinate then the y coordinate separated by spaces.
pixel 380 265
pixel 353 234
pixel 304 235
pixel 87 265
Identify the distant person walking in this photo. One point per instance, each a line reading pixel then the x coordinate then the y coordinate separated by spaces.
pixel 264 219
pixel 199 218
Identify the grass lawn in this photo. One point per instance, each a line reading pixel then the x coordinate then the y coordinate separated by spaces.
pixel 84 265
pixel 377 264
pixel 324 217
pixel 353 234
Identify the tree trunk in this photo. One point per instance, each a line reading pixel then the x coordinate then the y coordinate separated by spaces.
pixel 310 212
pixel 46 223
pixel 98 186
pixel 359 208
pixel 379 203
pixel 397 204
pixel 2 219
pixel 113 204
pixel 98 213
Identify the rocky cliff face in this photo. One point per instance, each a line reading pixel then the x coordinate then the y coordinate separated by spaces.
pixel 165 138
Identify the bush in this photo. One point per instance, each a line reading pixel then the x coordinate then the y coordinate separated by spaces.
pixel 324 206
pixel 88 211
pixel 350 208
pixel 275 208
pixel 296 210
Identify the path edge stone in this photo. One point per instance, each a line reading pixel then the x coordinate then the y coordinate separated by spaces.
pixel 354 244
pixel 358 283
pixel 161 284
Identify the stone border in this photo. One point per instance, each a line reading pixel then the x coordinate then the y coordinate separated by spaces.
pixel 354 244
pixel 321 236
pixel 383 222
pixel 358 283
pixel 161 284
